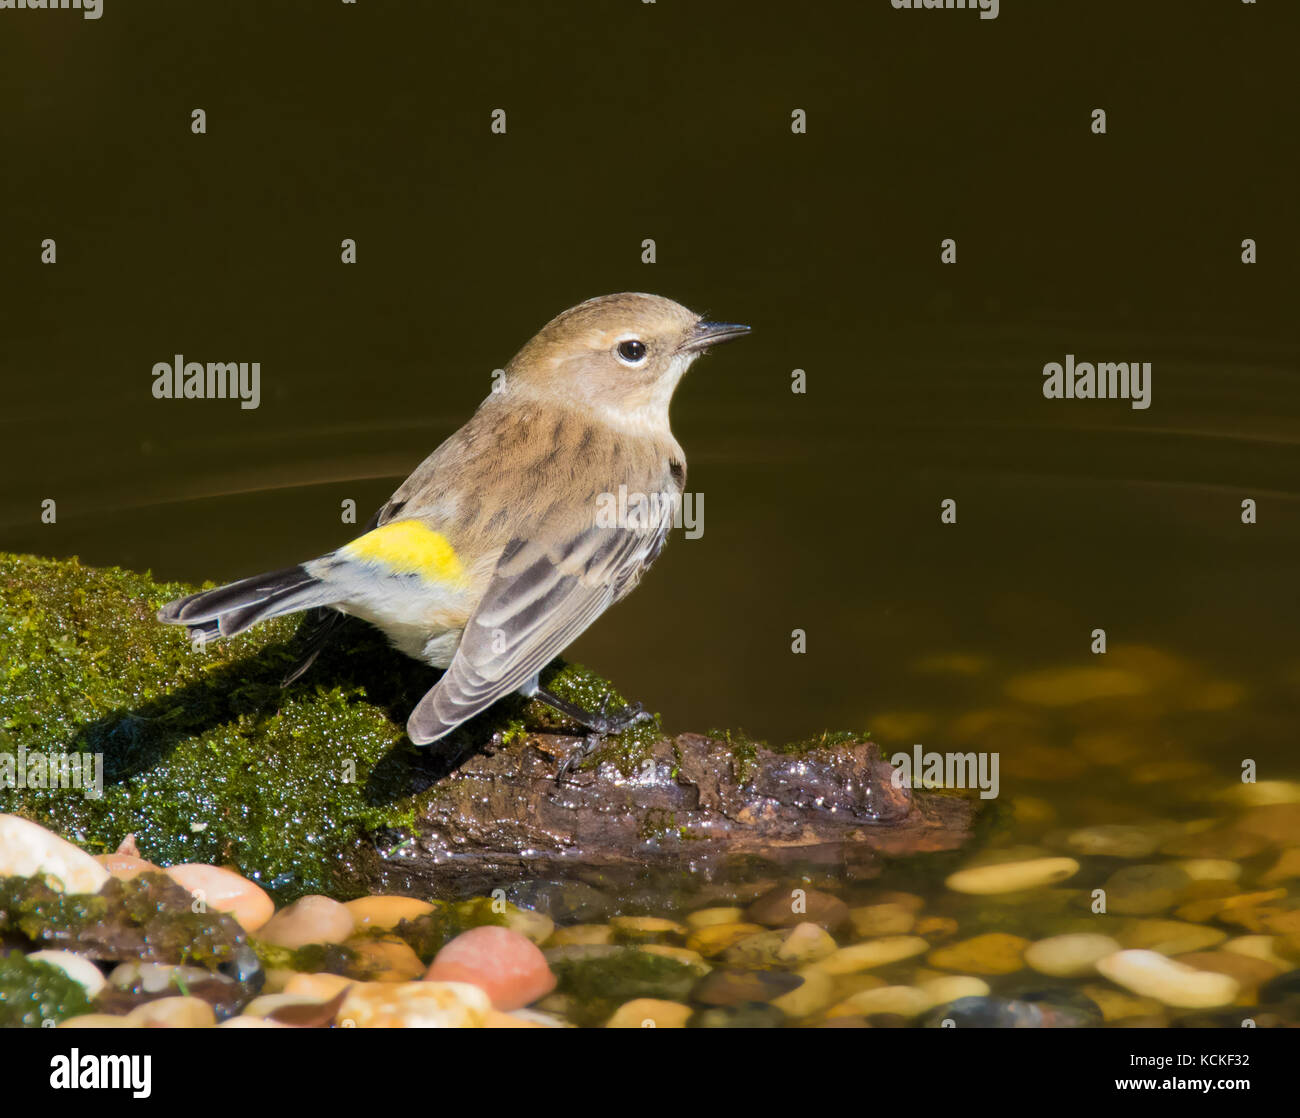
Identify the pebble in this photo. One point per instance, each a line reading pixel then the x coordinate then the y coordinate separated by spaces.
pixel 1012 877
pixel 1171 937
pixel 991 953
pixel 581 935
pixel 154 978
pixel 646 1013
pixel 714 939
pixel 1153 975
pixel 320 987
pixel 27 850
pixel 950 987
pixel 382 914
pixel 1145 889
pixel 225 891
pixel 98 1021
pixel 77 967
pixel 735 987
pixel 882 920
pixel 1068 956
pixel 570 902
pixel 267 1004
pixel 1286 868
pixel 1249 973
pixel 936 927
pixel 502 962
pixel 1258 947
pixel 1279 823
pixel 1057 687
pixel 125 866
pixel 814 994
pixel 902 1001
pixel 983 1012
pixel 1217 842
pixel 786 906
pixel 1210 869
pixel 806 943
pixel 310 919
pixel 1264 792
pixel 1227 905
pixel 414 1005
pixel 387 960
pixel 645 929
pixel 681 954
pixel 173 1013
pixel 1119 840
pixel 242 1022
pixel 1119 1005
pixel 750 1016
pixel 872 953
pixel 708 917
pixel 534 926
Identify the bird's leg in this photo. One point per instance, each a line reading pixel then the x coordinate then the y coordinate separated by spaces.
pixel 601 723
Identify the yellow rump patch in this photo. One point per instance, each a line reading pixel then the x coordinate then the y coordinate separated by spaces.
pixel 409 547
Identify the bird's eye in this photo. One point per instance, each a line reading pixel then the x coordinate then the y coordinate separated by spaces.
pixel 631 352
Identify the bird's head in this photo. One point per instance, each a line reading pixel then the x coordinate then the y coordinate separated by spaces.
pixel 619 355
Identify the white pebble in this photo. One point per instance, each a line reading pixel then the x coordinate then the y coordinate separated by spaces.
pixel 1011 877
pixel 1152 975
pixel 29 850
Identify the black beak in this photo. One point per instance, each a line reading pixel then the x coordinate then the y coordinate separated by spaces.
pixel 708 334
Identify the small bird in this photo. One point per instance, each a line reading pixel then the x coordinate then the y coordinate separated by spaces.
pixel 502 546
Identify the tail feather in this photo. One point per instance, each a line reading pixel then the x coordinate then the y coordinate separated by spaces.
pixel 228 610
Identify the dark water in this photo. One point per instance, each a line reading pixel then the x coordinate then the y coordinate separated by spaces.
pixel 672 121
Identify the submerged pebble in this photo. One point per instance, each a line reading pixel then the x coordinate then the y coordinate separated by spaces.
pixel 1153 975
pixel 1012 877
pixel 1069 955
pixel 991 953
pixel 650 1013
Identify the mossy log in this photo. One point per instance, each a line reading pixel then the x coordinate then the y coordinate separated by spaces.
pixel 316 788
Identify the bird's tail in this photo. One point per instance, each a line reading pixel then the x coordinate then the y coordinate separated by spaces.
pixel 228 610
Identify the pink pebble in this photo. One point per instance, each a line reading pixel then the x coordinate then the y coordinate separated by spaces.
pixel 505 965
pixel 225 891
pixel 125 866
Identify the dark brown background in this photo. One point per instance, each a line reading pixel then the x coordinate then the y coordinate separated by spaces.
pixel 671 121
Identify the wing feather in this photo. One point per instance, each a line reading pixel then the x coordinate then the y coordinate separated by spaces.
pixel 544 593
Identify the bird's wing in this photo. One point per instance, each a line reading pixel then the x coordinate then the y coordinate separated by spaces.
pixel 544 592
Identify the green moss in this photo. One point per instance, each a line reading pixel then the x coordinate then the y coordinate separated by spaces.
pixel 743 749
pixel 33 992
pixel 827 739
pixel 149 917
pixel 601 981
pixel 206 758
pixel 314 958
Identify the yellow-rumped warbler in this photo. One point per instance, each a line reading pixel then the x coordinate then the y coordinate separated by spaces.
pixel 501 547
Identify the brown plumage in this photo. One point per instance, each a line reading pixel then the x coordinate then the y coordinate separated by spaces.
pixel 506 543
